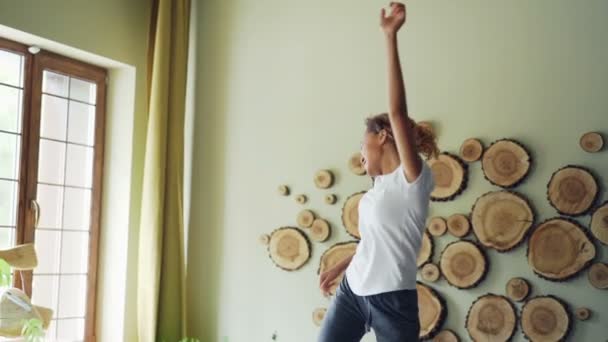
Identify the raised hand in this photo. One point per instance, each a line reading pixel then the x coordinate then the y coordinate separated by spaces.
pixel 391 22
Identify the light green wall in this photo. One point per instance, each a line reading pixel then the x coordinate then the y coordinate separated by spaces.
pixel 282 91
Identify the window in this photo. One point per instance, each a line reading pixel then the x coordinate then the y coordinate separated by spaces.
pixel 51 155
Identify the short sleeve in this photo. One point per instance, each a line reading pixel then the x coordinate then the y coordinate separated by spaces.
pixel 424 178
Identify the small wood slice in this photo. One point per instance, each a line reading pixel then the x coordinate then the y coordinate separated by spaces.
pixel 463 264
pixel 355 165
pixel 598 275
pixel 446 335
pixel 283 190
pixel 430 272
pixel 501 219
pixel 450 175
pixel 330 199
pixel 559 248
pixel 320 230
pixel 289 248
pixel 458 225
pixel 305 218
pixel 599 223
pixel 582 314
pixel 491 318
pixel 471 150
pixel 350 214
pixel 301 199
pixel 591 142
pixel 332 256
pixel 426 249
pixel 518 289
pixel 572 190
pixel 264 239
pixel 505 163
pixel 437 226
pixel 317 316
pixel 545 318
pixel 324 179
pixel 432 311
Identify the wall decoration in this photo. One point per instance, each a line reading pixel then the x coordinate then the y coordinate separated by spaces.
pixel 572 190
pixel 599 223
pixel 591 142
pixel 446 335
pixel 350 214
pixel 355 165
pixel 463 264
pixel 559 248
pixel 450 174
pixel 332 256
pixel 324 179
pixel 301 199
pixel 426 249
pixel 432 311
pixel 458 225
pixel 598 275
pixel 518 289
pixel 283 190
pixel 491 317
pixel 545 318
pixel 582 314
pixel 264 239
pixel 430 272
pixel 471 150
pixel 437 226
pixel 289 248
pixel 305 218
pixel 506 163
pixel 501 219
pixel 320 230
pixel 317 316
pixel 330 199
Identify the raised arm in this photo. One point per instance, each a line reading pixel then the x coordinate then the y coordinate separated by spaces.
pixel 403 131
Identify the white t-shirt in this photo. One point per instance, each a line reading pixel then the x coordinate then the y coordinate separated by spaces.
pixel 392 217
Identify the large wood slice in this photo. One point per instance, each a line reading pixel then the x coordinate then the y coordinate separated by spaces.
pixel 501 219
pixel 320 230
pixel 450 174
pixel 432 311
pixel 591 142
pixel 545 318
pixel 471 150
pixel 598 275
pixel 506 163
pixel 437 226
pixel 559 248
pixel 334 255
pixel 518 289
pixel 350 214
pixel 491 318
pixel 446 335
pixel 355 165
pixel 572 190
pixel 289 248
pixel 426 249
pixel 463 264
pixel 599 223
pixel 458 225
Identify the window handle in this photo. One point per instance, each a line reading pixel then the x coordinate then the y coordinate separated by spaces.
pixel 36 208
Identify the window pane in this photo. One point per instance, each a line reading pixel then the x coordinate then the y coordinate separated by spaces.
pixel 51 162
pixel 8 202
pixel 50 200
pixel 10 109
pixel 9 155
pixel 54 117
pixel 79 167
pixel 47 250
pixel 82 123
pixel 71 330
pixel 44 291
pixel 82 90
pixel 55 84
pixel 7 236
pixel 77 209
pixel 10 68
pixel 75 252
pixel 72 296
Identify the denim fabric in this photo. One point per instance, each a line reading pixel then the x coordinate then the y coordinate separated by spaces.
pixel 393 316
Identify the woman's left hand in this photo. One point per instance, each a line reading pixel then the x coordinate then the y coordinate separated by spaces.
pixel 392 22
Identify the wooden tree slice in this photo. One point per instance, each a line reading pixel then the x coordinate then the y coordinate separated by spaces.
pixel 289 248
pixel 518 289
pixel 264 239
pixel 355 165
pixel 506 163
pixel 446 335
pixel 599 223
pixel 426 249
pixel 437 226
pixel 330 199
pixel 432 311
pixel 598 275
pixel 591 142
pixel 545 318
pixel 471 150
pixel 317 316
pixel 582 314
pixel 450 174
pixel 320 230
pixel 559 248
pixel 491 318
pixel 463 264
pixel 334 255
pixel 572 190
pixel 501 219
pixel 430 272
pixel 283 190
pixel 305 218
pixel 301 199
pixel 324 179
pixel 458 225
pixel 350 214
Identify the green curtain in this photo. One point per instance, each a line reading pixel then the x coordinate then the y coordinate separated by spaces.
pixel 161 267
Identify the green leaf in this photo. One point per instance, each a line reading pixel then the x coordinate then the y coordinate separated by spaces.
pixel 5 274
pixel 32 330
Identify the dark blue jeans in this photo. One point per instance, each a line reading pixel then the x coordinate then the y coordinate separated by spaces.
pixel 393 316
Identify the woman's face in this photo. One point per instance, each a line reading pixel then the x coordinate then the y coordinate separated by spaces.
pixel 371 151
